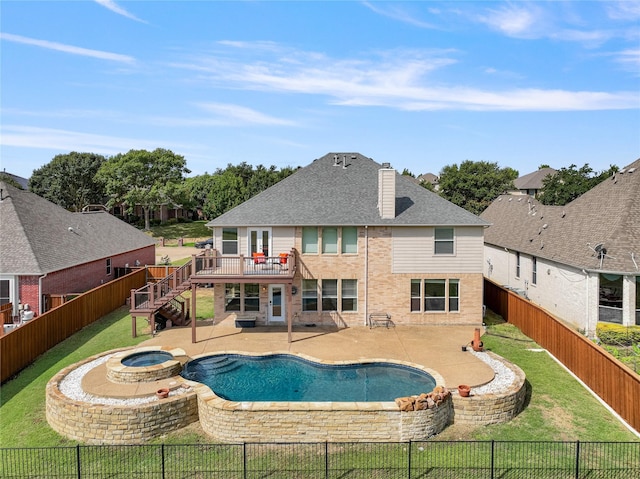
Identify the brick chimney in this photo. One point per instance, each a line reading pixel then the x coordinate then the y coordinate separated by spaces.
pixel 387 191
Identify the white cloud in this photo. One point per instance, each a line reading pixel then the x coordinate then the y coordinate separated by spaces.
pixel 627 10
pixel 68 48
pixel 399 80
pixel 514 21
pixel 66 140
pixel 114 7
pixel 243 115
pixel 397 12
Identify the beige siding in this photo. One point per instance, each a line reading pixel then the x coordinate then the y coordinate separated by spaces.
pixel 283 240
pixel 412 251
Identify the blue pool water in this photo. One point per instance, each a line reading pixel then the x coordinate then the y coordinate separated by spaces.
pixel 282 377
pixel 147 358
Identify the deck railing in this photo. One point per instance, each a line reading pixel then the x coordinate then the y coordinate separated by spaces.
pixel 229 266
pixel 151 294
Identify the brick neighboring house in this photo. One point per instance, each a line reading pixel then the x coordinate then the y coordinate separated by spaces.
pixel 45 249
pixel 581 261
pixel 363 239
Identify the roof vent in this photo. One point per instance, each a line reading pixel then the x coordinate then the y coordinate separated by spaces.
pixel 386 165
pixel 631 170
pixel 336 160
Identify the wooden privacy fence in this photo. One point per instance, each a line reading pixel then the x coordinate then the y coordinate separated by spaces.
pixel 615 383
pixel 22 346
pixel 6 310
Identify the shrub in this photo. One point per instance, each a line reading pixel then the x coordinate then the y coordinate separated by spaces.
pixel 617 334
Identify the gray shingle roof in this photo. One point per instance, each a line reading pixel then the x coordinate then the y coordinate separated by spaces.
pixel 533 181
pixel 608 214
pixel 35 238
pixel 324 194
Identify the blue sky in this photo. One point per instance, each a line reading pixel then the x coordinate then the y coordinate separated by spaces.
pixel 419 84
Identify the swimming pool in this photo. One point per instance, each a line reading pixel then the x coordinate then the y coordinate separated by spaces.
pixel 283 377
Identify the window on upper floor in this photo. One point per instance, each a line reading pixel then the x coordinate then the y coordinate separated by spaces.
pixel 349 240
pixel 309 239
pixel 229 240
pixel 108 266
pixel 5 291
pixel 329 240
pixel 444 241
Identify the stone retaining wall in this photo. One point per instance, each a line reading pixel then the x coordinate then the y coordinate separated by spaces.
pixel 108 424
pixel 230 421
pixel 492 408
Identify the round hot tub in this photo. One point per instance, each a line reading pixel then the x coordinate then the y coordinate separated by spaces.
pixel 144 365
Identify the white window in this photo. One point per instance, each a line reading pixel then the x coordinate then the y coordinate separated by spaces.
pixel 329 295
pixel 251 297
pixel 329 240
pixel 534 270
pixel 349 300
pixel 309 295
pixel 309 239
pixel 232 297
pixel 5 291
pixel 435 295
pixel 517 264
pixel 108 266
pixel 349 240
pixel 444 241
pixel 229 240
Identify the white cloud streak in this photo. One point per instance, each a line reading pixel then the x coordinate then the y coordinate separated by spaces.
pixel 68 48
pixel 114 7
pixel 401 80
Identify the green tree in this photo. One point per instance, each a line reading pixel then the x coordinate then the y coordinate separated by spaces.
pixel 568 183
pixel 143 178
pixel 475 184
pixel 68 180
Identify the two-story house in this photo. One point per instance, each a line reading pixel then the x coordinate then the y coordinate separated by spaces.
pixel 344 238
pixel 581 261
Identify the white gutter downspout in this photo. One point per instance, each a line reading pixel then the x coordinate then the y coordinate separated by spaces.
pixel 40 293
pixel 366 274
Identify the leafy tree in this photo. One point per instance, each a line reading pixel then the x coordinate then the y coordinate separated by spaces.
pixel 475 184
pixel 406 172
pixel 568 183
pixel 68 180
pixel 9 180
pixel 144 178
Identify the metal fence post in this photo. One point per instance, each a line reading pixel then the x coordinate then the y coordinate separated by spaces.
pixel 493 463
pixel 326 460
pixel 78 460
pixel 163 467
pixel 409 461
pixel 577 475
pixel 244 460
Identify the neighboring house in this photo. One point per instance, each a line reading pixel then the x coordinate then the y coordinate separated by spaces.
pixel 361 240
pixel 47 250
pixel 531 184
pixel 580 261
pixel 430 178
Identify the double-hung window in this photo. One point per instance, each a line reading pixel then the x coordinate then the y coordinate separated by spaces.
pixel 444 241
pixel 108 266
pixel 434 294
pixel 229 240
pixel 534 270
pixel 416 294
pixel 329 240
pixel 232 297
pixel 517 264
pixel 349 300
pixel 251 297
pixel 329 295
pixel 454 295
pixel 309 239
pixel 309 295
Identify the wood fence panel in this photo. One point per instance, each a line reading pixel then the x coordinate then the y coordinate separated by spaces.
pixel 22 346
pixel 615 383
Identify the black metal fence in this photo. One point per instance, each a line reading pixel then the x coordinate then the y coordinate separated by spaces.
pixel 405 460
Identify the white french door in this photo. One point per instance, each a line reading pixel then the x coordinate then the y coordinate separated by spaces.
pixel 259 241
pixel 276 303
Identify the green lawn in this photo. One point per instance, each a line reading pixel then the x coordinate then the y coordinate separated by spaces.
pixel 193 229
pixel 558 408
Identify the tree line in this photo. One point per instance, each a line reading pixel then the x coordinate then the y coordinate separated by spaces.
pixel 150 179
